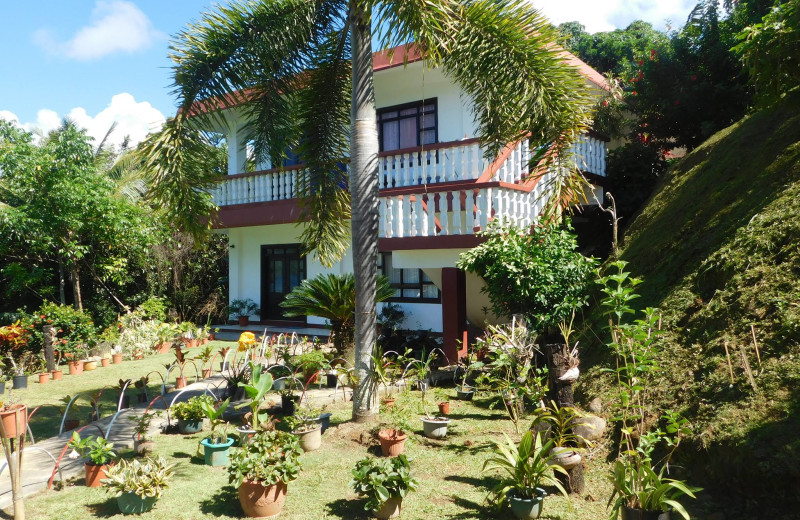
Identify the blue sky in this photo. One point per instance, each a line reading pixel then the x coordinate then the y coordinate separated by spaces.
pixel 99 61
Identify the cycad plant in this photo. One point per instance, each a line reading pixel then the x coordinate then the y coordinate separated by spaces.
pixel 332 297
pixel 301 74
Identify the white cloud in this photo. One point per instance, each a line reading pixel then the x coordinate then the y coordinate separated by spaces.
pixel 115 26
pixel 134 119
pixel 607 15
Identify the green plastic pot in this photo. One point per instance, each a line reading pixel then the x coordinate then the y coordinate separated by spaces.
pixel 186 427
pixel 132 504
pixel 216 454
pixel 526 508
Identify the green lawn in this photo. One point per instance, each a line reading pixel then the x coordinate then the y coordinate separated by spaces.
pixel 452 485
pixel 46 420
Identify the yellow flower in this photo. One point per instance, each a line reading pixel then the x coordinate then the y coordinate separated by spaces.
pixel 247 339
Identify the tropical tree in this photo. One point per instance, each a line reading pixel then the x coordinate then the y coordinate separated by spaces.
pixel 332 297
pixel 301 73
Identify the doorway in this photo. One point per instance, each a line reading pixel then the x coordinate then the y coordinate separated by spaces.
pixel 282 269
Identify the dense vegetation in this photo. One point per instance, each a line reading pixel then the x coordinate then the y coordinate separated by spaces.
pixel 718 249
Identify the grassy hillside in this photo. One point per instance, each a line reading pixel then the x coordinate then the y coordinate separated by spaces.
pixel 719 249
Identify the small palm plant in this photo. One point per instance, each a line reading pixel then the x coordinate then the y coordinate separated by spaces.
pixel 332 297
pixel 526 469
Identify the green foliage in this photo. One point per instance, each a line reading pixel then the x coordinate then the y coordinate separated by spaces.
pixel 214 413
pixel 75 330
pixel 559 422
pixel 270 457
pixel 380 479
pixel 240 307
pixel 524 468
pixel 258 387
pixel 99 450
pixel 153 308
pixel 332 297
pixel 142 422
pixel 145 478
pixel 633 171
pixel 192 409
pixel 538 274
pixel 770 51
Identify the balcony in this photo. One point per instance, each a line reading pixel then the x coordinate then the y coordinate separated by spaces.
pixel 436 190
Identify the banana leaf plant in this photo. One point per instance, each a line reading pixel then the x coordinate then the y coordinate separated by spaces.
pixel 258 387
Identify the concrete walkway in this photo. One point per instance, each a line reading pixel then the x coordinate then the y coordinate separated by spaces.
pixel 37 465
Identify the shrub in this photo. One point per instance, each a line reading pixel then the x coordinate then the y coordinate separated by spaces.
pixel 539 274
pixel 270 457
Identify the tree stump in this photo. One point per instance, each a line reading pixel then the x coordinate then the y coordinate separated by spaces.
pixel 49 333
pixel 560 392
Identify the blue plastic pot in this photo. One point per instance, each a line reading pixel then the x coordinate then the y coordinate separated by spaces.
pixel 187 427
pixel 216 454
pixel 133 504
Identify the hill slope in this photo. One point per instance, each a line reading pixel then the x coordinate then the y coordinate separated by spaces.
pixel 718 246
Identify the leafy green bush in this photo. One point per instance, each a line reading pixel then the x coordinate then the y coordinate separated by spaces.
pixel 381 479
pixel 191 410
pixel 539 274
pixel 270 457
pixel 146 478
pixel 75 329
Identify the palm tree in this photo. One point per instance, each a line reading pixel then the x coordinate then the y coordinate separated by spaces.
pixel 301 72
pixel 332 297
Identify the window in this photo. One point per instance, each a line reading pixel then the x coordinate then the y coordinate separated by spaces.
pixel 411 285
pixel 407 126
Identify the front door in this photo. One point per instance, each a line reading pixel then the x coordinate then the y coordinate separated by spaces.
pixel 282 269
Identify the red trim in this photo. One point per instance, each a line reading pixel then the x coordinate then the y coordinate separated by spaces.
pixel 442 242
pixel 498 162
pixel 258 214
pixel 397 56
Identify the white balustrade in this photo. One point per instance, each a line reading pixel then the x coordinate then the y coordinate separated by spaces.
pixel 459 162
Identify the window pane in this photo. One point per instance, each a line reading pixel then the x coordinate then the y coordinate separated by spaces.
pixel 390 135
pixel 429 121
pixel 410 293
pixel 428 137
pixel 430 291
pixel 408 132
pixel 388 115
pixel 409 111
pixel 397 294
pixel 430 107
pixel 410 276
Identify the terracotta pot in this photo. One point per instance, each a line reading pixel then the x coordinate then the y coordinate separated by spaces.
pixel 192 343
pixel 105 362
pixel 163 347
pixel 206 373
pixel 94 474
pixel 180 382
pixel 444 408
pixel 204 341
pixel 143 447
pixel 244 321
pixel 390 508
pixel 44 378
pixel 309 378
pixel 211 337
pixel 15 420
pixel 259 501
pixel 57 375
pixel 75 367
pixel 388 403
pixel 117 358
pixel 89 365
pixel 392 442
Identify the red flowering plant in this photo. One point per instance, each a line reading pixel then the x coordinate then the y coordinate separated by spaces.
pixel 74 330
pixel 15 348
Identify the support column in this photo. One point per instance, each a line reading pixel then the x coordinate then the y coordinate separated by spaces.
pixel 454 312
pixel 237 150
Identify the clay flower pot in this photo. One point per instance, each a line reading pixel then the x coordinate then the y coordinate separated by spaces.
pixel 15 420
pixel 180 382
pixel 105 362
pixel 444 408
pixel 94 474
pixel 392 442
pixel 259 501
pixel 388 403
pixel 117 358
pixel 89 365
pixel 44 378
pixel 57 375
pixel 206 373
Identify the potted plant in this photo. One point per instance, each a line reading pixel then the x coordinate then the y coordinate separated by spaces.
pixel 262 469
pixel 464 391
pixel 142 442
pixel 216 446
pixel 101 456
pixel 15 419
pixel 116 357
pixel 141 385
pixel 256 389
pixel 241 310
pixel 559 423
pixel 44 378
pixel 393 439
pixel 307 429
pixel 526 468
pixel 95 405
pixel 165 334
pixel 190 413
pixel 384 483
pixel 442 401
pixel 434 426
pixel 205 356
pixel 138 484
pixel 180 362
pixel 311 363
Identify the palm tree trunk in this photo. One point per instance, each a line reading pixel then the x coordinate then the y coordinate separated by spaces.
pixel 364 222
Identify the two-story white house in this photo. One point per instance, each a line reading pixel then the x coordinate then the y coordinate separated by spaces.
pixel 436 192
